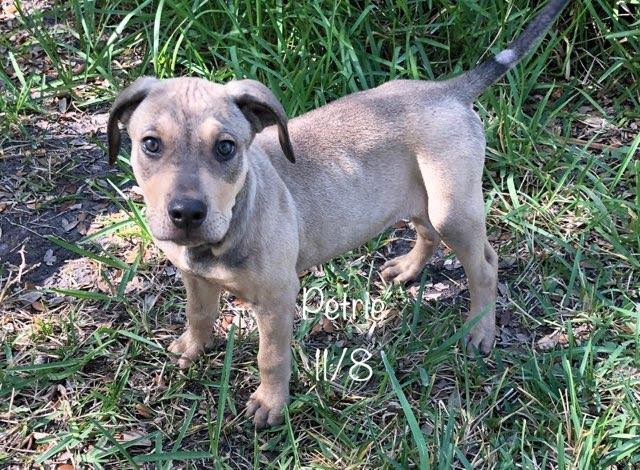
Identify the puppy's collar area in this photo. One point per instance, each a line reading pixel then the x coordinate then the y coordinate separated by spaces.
pixel 202 254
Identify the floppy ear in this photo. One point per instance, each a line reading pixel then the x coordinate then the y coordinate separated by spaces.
pixel 122 108
pixel 261 108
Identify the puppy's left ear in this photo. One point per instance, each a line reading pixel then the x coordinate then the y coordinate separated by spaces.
pixel 122 108
pixel 261 108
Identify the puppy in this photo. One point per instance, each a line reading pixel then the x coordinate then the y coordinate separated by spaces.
pixel 231 211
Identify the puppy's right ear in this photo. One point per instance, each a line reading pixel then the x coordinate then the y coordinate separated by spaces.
pixel 122 108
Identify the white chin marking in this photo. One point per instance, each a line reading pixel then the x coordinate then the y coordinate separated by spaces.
pixel 506 57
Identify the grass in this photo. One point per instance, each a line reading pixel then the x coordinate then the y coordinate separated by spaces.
pixel 85 378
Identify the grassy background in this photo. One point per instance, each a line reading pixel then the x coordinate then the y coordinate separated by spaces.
pixel 85 379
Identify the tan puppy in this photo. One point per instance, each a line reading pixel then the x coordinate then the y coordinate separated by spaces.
pixel 232 213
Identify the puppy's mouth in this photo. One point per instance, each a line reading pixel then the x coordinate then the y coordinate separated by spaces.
pixel 192 242
pixel 190 239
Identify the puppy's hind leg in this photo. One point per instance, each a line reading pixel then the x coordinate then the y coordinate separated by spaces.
pixel 407 267
pixel 456 209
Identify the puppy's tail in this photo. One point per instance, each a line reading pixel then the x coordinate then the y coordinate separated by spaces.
pixel 472 83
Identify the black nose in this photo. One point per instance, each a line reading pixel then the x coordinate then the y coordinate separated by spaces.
pixel 187 213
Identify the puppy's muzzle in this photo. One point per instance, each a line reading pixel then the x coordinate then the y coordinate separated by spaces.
pixel 187 213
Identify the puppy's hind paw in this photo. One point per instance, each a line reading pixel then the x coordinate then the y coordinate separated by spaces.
pixel 266 406
pixel 401 269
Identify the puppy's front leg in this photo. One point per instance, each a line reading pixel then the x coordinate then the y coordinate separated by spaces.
pixel 275 326
pixel 203 299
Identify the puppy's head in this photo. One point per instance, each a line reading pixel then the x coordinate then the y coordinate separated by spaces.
pixel 189 140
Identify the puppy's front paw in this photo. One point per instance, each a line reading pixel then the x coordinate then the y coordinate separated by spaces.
pixel 482 336
pixel 189 346
pixel 266 405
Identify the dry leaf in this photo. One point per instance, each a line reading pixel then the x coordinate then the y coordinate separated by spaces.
pixel 324 325
pixel 159 382
pixel 67 225
pixel 451 264
pixel 135 194
pixel 62 105
pixel 134 435
pixel 131 256
pixel 503 289
pixel 240 304
pixel 30 296
pixel 327 325
pixel 432 295
pixel 227 321
pixel 394 407
pixel 550 341
pixel 10 9
pixel 49 257
pixel 561 338
pixel 144 411
pixel 596 122
pixel 400 224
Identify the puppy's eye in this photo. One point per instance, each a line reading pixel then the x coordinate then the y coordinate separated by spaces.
pixel 151 145
pixel 225 149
